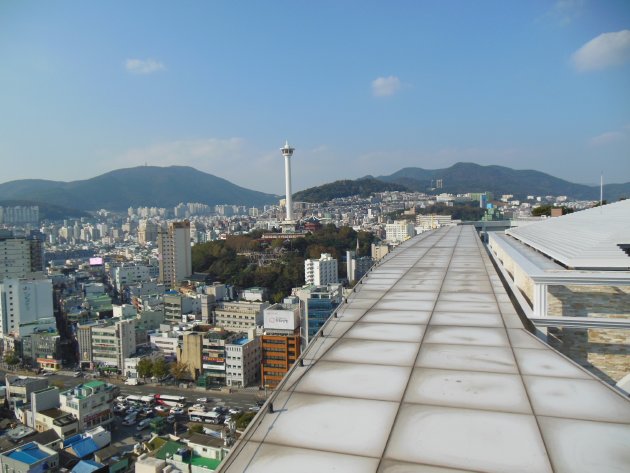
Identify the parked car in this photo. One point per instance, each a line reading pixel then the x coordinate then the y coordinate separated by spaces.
pixel 77 374
pixel 170 419
pixel 161 408
pixel 129 422
pixel 121 398
pixel 234 411
pixel 143 424
pixel 177 410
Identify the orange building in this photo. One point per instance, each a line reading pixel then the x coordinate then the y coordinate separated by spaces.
pixel 281 341
pixel 279 352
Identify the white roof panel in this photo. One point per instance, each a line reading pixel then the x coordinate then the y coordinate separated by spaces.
pixel 433 377
pixel 588 239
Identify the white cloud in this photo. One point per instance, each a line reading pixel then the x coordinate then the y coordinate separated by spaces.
pixel 565 11
pixel 607 49
pixel 385 86
pixel 202 153
pixel 144 66
pixel 610 137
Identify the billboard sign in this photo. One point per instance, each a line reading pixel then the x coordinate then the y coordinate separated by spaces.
pixel 281 319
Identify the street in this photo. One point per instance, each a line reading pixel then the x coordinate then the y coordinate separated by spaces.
pixel 242 399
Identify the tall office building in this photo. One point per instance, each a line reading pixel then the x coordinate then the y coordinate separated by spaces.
pixel 20 257
pixel 321 271
pixel 319 303
pixel 26 306
pixel 175 252
pixel 281 342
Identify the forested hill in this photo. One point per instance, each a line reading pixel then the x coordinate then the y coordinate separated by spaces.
pixel 346 188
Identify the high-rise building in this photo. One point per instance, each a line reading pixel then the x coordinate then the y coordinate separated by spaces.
pixel 20 257
pixel 321 271
pixel 399 231
pixel 281 341
pixel 26 306
pixel 357 267
pixel 175 252
pixel 147 232
pixel 319 304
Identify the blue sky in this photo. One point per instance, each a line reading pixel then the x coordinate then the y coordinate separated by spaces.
pixel 358 87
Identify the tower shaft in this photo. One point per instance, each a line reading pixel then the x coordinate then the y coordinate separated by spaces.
pixel 287 183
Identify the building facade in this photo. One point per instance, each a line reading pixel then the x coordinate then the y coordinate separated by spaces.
pixel 319 302
pixel 112 343
pixel 280 342
pixel 239 315
pixel 90 403
pixel 26 306
pixel 243 357
pixel 175 252
pixel 321 271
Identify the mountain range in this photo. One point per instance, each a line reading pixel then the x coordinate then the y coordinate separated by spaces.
pixel 469 177
pixel 143 186
pixel 153 186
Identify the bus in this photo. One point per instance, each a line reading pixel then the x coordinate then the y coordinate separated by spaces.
pixel 146 401
pixel 201 416
pixel 169 400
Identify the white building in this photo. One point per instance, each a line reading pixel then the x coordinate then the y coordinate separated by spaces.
pixel 125 310
pixel 127 275
pixel 26 305
pixel 239 315
pixel 429 222
pixel 175 252
pixel 399 231
pixel 242 362
pixel 90 403
pixel 166 342
pixel 283 318
pixel 321 271
pixel 112 343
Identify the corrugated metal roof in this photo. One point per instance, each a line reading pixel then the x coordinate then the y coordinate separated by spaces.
pixel 588 239
pixel 84 447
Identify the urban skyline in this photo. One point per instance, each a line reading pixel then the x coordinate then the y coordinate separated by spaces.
pixel 360 88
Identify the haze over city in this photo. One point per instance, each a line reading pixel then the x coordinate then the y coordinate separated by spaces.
pixel 358 87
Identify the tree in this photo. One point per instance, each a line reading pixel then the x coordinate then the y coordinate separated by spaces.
pixel 11 358
pixel 196 428
pixel 145 367
pixel 180 370
pixel 160 367
pixel 243 419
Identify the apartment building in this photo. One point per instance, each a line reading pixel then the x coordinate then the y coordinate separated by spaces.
pixel 242 364
pixel 113 342
pixel 90 403
pixel 321 271
pixel 239 315
pixel 175 252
